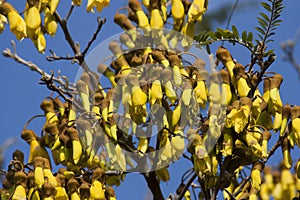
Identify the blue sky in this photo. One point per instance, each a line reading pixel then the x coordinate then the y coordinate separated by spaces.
pixel 21 95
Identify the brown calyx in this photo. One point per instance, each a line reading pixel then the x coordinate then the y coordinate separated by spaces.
pixel 158 55
pixel 225 76
pixel 6 8
pixel 28 135
pixel 110 192
pixel 81 86
pixel 38 162
pixel 258 165
pixel 51 128
pixel 295 112
pixel 123 21
pixel 84 190
pixel 47 106
pixel 199 63
pixel 135 5
pixel 266 135
pixel 223 55
pixel 276 81
pixel 286 111
pixel 246 101
pixel 20 178
pixel 115 47
pixel 97 174
pixel 239 71
pixel 175 60
pixel 73 134
pixel 166 75
pixel 72 185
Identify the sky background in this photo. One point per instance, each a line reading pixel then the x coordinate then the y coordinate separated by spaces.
pixel 21 95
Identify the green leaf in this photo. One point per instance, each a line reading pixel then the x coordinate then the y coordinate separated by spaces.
pixel 266 6
pixel 244 36
pixel 250 37
pixel 262 23
pixel 212 35
pixel 235 32
pixel 269 52
pixel 260 30
pixel 266 18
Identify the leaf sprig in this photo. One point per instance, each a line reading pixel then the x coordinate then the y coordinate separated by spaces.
pixel 268 22
pixel 232 36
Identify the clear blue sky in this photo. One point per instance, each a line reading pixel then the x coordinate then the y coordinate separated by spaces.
pixel 21 95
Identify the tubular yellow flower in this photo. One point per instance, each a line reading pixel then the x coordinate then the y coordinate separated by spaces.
pixel 156 20
pixel 224 56
pixel 40 43
pixel 99 4
pixel 177 9
pixel 163 174
pixel 255 175
pixel 226 91
pixel 142 146
pixel 143 21
pixel 16 22
pixel 50 22
pixel 241 80
pixel 3 20
pixel 286 111
pixel 197 9
pixel 164 145
pixel 33 18
pixel 188 31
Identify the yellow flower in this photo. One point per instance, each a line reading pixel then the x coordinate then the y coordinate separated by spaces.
pixel 17 25
pixel 40 43
pixel 196 10
pixel 16 22
pixel 3 20
pixel 50 23
pixel 99 4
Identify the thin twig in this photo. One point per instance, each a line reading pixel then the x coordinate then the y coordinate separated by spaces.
pixel 186 186
pixel 69 39
pixel 70 12
pixel 33 67
pixel 153 185
pixel 230 16
pixel 243 183
pixel 99 27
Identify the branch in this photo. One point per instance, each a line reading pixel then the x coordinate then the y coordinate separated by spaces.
pixel 243 183
pixel 70 12
pixel 68 37
pixel 153 185
pixel 33 67
pixel 101 22
pixel 186 186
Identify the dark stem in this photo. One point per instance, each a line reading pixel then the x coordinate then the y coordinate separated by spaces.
pixel 153 185
pixel 186 186
pixel 99 27
pixel 68 37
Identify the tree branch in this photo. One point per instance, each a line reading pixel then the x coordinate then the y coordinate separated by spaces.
pixel 99 27
pixel 153 185
pixel 33 67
